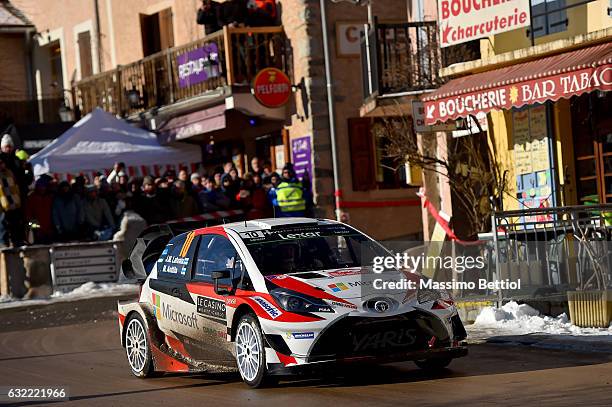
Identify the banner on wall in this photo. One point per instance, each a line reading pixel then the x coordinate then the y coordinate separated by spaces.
pixel 301 156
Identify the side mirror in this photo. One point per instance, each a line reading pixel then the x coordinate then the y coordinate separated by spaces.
pixel 220 275
pixel 217 275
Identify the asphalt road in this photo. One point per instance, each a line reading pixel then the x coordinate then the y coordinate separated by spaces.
pixel 62 346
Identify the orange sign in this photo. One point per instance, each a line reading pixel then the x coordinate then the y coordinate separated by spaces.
pixel 271 87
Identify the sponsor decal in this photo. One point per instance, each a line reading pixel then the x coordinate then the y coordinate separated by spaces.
pixel 338 287
pixel 342 304
pixel 300 335
pixel 171 314
pixel 296 236
pixel 230 301
pixel 187 244
pixel 213 332
pixel 343 273
pixel 269 308
pixel 276 277
pixel 211 307
pixel 165 311
pixel 157 306
pixel 385 339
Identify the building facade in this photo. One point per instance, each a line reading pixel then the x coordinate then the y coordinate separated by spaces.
pixel 134 59
pixel 541 95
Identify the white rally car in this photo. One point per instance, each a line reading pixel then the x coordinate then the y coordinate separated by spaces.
pixel 275 297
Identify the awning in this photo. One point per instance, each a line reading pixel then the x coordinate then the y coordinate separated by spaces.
pixel 189 125
pixel 550 78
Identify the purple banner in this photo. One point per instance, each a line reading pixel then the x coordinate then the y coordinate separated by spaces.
pixel 198 65
pixel 301 156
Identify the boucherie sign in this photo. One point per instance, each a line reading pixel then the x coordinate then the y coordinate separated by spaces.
pixel 466 20
pixel 519 94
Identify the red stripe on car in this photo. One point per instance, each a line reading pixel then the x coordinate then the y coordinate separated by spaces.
pixel 291 283
pixel 166 363
pixel 177 346
pixel 286 360
pixel 121 319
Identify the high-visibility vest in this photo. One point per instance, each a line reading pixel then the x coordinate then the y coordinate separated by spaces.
pixel 290 197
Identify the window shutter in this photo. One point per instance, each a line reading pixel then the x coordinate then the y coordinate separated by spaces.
pixel 362 154
pixel 166 32
pixel 84 41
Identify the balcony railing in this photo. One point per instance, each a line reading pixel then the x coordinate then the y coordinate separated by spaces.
pixel 232 56
pixel 398 58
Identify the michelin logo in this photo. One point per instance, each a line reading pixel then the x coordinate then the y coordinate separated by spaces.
pixel 269 308
pixel 301 335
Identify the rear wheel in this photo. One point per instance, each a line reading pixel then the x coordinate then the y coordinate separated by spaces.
pixel 250 352
pixel 433 364
pixel 137 347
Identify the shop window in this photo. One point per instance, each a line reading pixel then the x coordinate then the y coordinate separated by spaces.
pixel 85 58
pixel 551 17
pixel 371 167
pixel 592 132
pixel 156 31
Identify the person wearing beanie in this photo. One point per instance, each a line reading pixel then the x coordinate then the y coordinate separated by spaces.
pixel 7 145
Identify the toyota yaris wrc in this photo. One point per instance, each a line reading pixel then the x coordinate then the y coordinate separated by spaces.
pixel 274 297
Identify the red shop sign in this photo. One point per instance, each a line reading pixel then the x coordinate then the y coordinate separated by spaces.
pixel 519 93
pixel 271 87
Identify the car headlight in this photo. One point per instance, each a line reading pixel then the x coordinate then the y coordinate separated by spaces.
pixel 292 301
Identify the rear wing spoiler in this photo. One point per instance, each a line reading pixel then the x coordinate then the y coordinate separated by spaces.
pixel 151 243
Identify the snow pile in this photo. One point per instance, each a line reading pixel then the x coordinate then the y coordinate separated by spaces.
pixel 523 319
pixel 85 291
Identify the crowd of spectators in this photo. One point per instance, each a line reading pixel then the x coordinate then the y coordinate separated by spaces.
pixel 47 210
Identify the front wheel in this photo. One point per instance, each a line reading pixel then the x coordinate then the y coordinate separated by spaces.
pixel 137 347
pixel 250 352
pixel 433 364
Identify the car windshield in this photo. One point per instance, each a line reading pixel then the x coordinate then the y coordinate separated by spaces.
pixel 310 248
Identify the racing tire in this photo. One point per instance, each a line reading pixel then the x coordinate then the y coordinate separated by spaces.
pixel 251 353
pixel 433 364
pixel 137 347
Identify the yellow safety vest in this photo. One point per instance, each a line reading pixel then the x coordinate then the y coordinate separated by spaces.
pixel 290 197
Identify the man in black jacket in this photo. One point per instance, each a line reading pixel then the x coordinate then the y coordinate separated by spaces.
pixel 213 16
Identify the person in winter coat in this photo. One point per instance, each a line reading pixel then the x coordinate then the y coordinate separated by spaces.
pixel 38 211
pixel 182 204
pixel 98 218
pixel 67 213
pixel 10 205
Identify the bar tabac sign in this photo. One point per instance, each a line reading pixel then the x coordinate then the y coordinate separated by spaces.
pixel 466 20
pixel 494 97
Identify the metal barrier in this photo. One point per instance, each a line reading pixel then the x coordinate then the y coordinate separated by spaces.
pixel 553 250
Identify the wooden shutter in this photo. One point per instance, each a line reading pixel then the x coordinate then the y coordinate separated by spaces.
pixel 166 32
pixel 145 35
pixel 362 154
pixel 84 41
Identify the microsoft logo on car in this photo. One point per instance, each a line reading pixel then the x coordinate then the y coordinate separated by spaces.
pixel 338 287
pixel 157 306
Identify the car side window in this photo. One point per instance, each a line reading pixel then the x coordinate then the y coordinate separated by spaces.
pixel 176 259
pixel 215 253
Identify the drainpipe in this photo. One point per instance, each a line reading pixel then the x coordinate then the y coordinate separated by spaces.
pixel 330 106
pixel 98 37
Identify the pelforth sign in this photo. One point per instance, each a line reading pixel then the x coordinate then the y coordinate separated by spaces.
pixel 466 20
